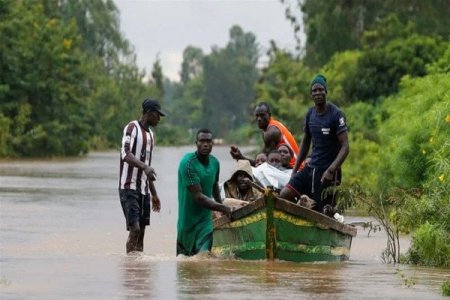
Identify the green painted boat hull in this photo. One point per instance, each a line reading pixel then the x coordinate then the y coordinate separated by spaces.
pixel 273 228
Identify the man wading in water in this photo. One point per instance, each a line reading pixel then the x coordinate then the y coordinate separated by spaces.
pixel 137 176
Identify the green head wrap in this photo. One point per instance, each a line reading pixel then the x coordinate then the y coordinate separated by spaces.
pixel 320 79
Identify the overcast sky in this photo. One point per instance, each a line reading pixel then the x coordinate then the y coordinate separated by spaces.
pixel 165 28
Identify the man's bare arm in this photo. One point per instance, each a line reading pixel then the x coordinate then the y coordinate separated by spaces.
pixel 237 154
pixel 271 139
pixel 216 193
pixel 303 152
pixel 207 202
pixel 133 161
pixel 343 152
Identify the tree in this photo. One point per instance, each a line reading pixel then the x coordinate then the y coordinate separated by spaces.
pixel 99 26
pixel 391 51
pixel 284 85
pixel 337 25
pixel 230 75
pixel 192 65
pixel 42 80
pixel 58 96
pixel 158 78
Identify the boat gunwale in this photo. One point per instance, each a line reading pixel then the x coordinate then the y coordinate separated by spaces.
pixel 320 220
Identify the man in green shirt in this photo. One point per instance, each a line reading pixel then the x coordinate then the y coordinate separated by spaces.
pixel 198 195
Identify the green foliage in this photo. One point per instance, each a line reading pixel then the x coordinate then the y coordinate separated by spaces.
pixel 40 96
pixel 337 25
pixel 247 132
pixel 230 75
pixel 381 68
pixel 332 26
pixel 430 246
pixel 394 89
pixel 446 288
pixel 386 30
pixel 216 89
pixel 401 150
pixel 441 66
pixel 63 87
pixel 341 69
pixel 359 165
pixel 99 27
pixel 420 207
pixel 167 134
pixel 157 76
pixel 364 147
pixel 5 125
pixel 284 85
pixel 414 154
pixel 185 110
pixel 192 65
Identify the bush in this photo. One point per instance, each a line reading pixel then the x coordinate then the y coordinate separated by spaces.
pixel 170 135
pixel 446 288
pixel 245 135
pixel 430 246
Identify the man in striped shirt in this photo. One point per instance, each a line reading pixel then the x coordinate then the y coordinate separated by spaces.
pixel 136 187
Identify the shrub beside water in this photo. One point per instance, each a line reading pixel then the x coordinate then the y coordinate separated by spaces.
pixel 430 246
pixel 446 288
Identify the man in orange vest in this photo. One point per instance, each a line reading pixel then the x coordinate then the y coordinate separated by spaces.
pixel 274 134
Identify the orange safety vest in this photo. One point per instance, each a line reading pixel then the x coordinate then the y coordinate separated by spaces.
pixel 286 138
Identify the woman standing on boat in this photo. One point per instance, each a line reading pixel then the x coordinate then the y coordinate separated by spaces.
pixel 325 127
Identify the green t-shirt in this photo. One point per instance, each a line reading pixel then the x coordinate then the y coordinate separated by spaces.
pixel 194 221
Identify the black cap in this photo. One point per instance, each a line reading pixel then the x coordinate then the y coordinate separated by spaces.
pixel 152 105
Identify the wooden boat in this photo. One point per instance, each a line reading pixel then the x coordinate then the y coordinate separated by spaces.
pixel 273 228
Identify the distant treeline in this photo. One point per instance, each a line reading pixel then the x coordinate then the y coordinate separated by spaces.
pixel 69 81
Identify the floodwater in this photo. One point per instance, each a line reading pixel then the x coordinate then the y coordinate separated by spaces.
pixel 62 236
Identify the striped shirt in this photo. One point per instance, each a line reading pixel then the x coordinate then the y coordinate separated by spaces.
pixel 138 141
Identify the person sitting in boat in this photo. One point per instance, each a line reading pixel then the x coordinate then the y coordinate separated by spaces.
pixel 274 159
pixel 269 174
pixel 260 158
pixel 237 191
pixel 286 156
pixel 237 186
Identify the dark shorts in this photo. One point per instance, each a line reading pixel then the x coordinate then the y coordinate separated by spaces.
pixel 307 182
pixel 135 207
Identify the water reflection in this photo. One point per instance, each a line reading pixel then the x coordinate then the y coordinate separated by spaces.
pixel 137 277
pixel 195 277
pixel 212 278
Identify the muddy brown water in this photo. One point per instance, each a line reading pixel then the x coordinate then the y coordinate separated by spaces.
pixel 62 236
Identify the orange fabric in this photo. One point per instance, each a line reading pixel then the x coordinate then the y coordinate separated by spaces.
pixel 286 138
